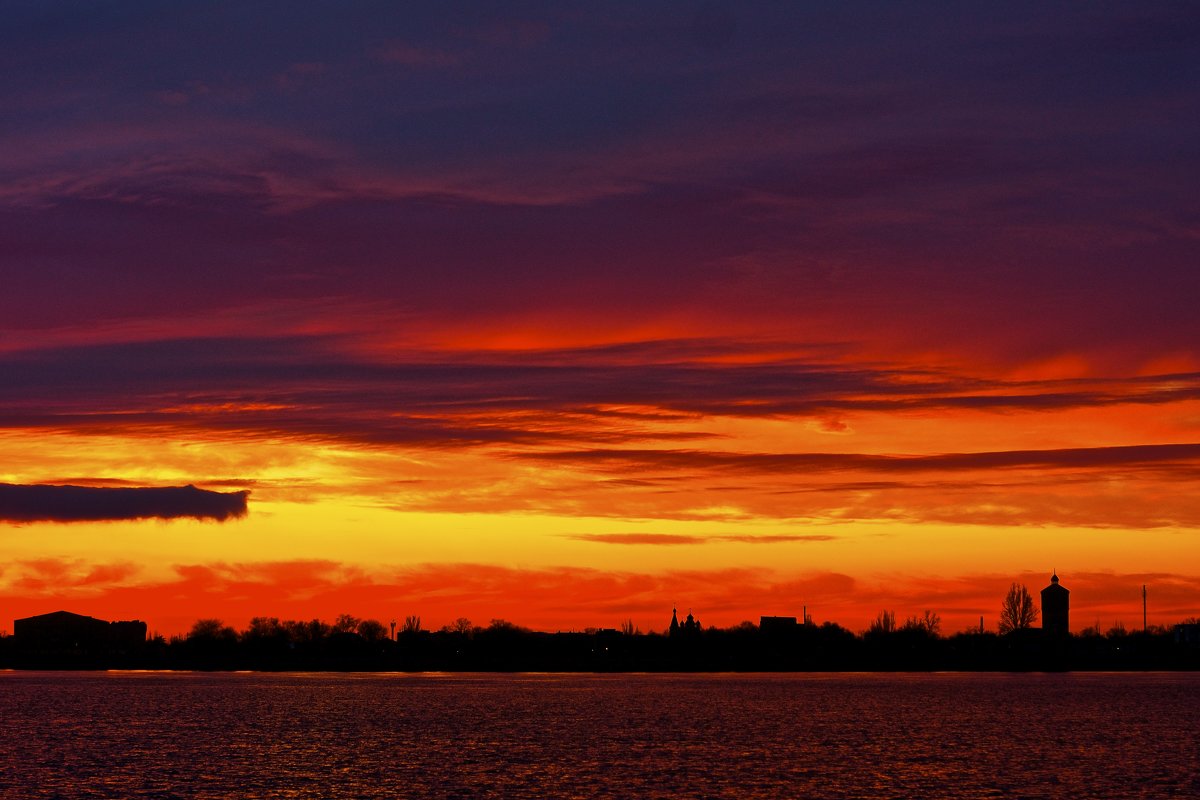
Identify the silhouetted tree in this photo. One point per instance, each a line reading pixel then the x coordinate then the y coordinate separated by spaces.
pixel 345 623
pixel 628 628
pixel 884 622
pixel 1017 612
pixel 412 624
pixel 264 628
pixel 211 642
pixel 503 625
pixel 372 630
pixel 462 625
pixel 211 630
pixel 928 623
pixel 312 631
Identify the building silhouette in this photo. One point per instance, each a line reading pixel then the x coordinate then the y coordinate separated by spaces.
pixel 1056 608
pixel 1187 633
pixel 689 627
pixel 778 625
pixel 62 631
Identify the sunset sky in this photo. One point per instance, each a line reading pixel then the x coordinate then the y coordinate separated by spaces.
pixel 565 313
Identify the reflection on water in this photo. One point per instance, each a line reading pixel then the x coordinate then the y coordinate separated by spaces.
pixel 124 735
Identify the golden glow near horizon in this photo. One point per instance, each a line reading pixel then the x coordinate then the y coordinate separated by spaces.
pixel 769 509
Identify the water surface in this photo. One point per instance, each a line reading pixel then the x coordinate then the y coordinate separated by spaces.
pixel 193 735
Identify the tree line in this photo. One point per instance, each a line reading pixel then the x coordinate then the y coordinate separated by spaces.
pixel 352 643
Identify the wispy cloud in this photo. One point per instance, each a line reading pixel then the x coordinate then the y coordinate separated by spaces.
pixel 690 539
pixel 37 576
pixel 329 387
pixel 415 55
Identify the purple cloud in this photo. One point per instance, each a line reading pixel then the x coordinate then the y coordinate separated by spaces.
pixel 43 503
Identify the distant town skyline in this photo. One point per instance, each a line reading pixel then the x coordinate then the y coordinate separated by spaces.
pixel 1053 616
pixel 558 314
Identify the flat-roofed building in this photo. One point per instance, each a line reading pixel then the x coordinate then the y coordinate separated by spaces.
pixel 773 625
pixel 62 630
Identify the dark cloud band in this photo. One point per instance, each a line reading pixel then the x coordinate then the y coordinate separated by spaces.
pixel 1128 456
pixel 40 503
pixel 321 388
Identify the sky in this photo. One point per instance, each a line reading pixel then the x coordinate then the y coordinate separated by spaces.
pixel 570 313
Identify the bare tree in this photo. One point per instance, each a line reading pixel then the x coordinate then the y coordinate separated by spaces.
pixel 504 625
pixel 930 623
pixel 1018 611
pixel 312 631
pixel 412 624
pixel 262 628
pixel 628 628
pixel 885 622
pixel 346 623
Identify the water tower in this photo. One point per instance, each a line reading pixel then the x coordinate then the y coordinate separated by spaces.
pixel 1056 608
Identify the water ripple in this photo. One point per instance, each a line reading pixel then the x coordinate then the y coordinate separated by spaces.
pixel 186 735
